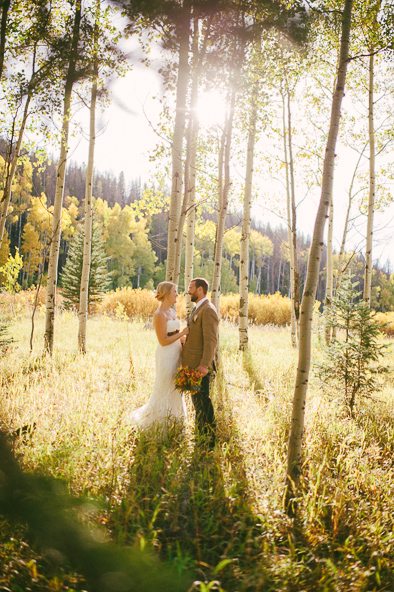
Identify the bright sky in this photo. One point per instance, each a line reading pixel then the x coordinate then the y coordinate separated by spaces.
pixel 124 134
pixel 127 138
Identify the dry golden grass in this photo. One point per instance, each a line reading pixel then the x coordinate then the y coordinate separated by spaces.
pixel 195 509
pixel 263 310
pixel 386 322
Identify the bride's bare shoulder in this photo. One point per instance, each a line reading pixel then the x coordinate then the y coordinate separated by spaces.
pixel 159 315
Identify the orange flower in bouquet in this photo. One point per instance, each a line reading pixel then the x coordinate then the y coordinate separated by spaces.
pixel 188 380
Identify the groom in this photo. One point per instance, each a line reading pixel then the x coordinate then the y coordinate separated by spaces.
pixel 199 351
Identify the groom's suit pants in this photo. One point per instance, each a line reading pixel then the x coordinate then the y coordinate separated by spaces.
pixel 205 415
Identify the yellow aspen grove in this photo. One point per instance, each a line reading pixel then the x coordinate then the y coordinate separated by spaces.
pixel 294 455
pixel 11 167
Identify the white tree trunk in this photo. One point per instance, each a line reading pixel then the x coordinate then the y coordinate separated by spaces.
pixel 177 144
pixel 293 324
pixel 296 285
pixel 58 202
pixel 258 286
pixel 245 232
pixel 87 241
pixel 330 273
pixel 294 457
pixel 279 274
pixel 189 200
pixel 371 201
pixel 191 216
pixel 11 167
pixel 346 227
pixel 223 191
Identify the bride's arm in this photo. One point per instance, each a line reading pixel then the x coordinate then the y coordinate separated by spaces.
pixel 160 326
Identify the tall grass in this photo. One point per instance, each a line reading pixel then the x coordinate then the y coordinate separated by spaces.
pixel 263 310
pixel 218 516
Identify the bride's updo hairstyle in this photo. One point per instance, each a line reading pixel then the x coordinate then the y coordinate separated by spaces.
pixel 163 289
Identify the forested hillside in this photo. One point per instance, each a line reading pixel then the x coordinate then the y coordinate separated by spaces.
pixel 135 228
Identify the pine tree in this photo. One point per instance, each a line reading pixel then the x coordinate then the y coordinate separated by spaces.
pixel 351 362
pixel 99 278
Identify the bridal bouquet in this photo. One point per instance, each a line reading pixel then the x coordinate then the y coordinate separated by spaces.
pixel 187 380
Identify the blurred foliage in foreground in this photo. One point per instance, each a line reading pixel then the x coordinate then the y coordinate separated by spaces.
pixel 44 504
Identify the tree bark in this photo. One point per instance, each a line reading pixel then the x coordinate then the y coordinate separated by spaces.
pixel 245 232
pixel 58 201
pixel 223 193
pixel 87 241
pixel 329 274
pixel 177 143
pixel 371 201
pixel 294 457
pixel 296 284
pixel 3 30
pixel 293 322
pixel 189 199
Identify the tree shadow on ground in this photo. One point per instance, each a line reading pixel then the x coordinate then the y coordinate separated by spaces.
pixel 261 386
pixel 195 506
pixel 377 423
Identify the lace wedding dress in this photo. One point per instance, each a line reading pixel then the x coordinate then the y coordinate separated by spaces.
pixel 166 405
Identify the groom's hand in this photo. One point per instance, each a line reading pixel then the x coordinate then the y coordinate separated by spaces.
pixel 202 370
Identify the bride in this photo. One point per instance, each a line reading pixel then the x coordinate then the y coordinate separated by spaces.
pixel 166 405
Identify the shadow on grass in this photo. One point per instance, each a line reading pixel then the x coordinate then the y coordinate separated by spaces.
pixel 262 387
pixel 377 424
pixel 195 506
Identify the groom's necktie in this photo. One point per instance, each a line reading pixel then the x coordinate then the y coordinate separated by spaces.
pixel 191 314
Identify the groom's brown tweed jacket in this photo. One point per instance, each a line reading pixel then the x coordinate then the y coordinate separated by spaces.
pixel 201 343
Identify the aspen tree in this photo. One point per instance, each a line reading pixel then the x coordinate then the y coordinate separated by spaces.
pixel 223 194
pixel 32 41
pixel 330 272
pixel 224 173
pixel 189 199
pixel 295 293
pixel 190 175
pixel 11 167
pixel 293 323
pixel 88 215
pixel 371 199
pixel 58 201
pixel 177 140
pixel 245 232
pixel 294 456
pixel 5 6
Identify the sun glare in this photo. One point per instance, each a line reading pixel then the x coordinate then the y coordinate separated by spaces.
pixel 211 109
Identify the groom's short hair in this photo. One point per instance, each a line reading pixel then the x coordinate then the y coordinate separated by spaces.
pixel 201 283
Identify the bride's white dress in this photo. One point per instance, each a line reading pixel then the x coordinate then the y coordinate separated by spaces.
pixel 166 405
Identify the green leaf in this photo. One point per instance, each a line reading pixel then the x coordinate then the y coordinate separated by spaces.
pixel 221 565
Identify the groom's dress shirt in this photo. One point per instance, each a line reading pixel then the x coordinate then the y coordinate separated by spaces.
pixel 200 346
pixel 198 304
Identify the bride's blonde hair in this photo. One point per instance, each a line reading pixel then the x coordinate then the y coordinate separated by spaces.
pixel 163 289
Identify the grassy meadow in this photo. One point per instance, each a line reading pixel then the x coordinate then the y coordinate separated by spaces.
pixel 217 517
